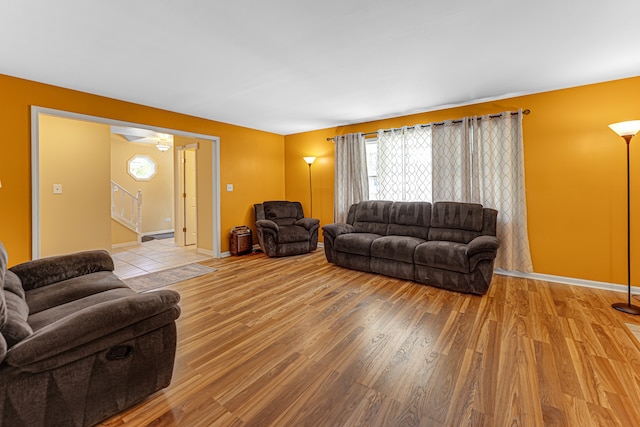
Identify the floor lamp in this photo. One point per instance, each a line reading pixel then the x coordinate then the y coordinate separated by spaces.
pixel 310 161
pixel 627 130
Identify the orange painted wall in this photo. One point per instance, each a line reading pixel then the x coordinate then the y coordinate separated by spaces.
pixel 575 170
pixel 250 159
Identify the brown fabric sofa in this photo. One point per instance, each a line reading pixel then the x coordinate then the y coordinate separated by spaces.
pixel 449 245
pixel 77 345
pixel 283 230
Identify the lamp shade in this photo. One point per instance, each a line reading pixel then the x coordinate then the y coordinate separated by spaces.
pixel 309 160
pixel 629 128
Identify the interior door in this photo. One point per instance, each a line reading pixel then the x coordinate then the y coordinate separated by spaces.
pixel 190 198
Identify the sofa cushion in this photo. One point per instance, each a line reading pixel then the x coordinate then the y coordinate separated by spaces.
pixel 445 255
pixel 46 317
pixel 3 309
pixel 457 222
pixel 13 307
pixel 283 212
pixel 12 284
pixel 15 328
pixel 355 243
pixel 372 217
pixel 410 219
pixel 56 294
pixel 399 248
pixel 292 233
pixel 3 272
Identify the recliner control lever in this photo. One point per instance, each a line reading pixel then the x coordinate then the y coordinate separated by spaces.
pixel 119 352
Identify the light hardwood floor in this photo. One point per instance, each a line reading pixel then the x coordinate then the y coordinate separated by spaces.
pixel 299 342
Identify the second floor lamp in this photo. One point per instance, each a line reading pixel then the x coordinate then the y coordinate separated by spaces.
pixel 627 130
pixel 309 160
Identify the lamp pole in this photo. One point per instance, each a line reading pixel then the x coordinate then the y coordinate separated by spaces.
pixel 627 130
pixel 309 160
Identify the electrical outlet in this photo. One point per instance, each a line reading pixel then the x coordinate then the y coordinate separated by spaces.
pixel 229 187
pixel 167 220
pixel 57 188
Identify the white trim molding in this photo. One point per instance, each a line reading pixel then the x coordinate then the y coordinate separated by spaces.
pixel 570 281
pixel 35 166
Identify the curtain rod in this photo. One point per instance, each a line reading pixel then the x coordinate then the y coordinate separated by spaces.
pixel 525 112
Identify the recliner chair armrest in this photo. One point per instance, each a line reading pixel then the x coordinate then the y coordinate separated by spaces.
pixel 267 223
pixel 334 230
pixel 308 223
pixel 42 272
pixel 483 244
pixel 61 340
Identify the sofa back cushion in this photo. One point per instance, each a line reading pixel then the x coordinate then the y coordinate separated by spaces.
pixel 3 272
pixel 372 216
pixel 283 212
pixel 456 222
pixel 410 219
pixel 14 310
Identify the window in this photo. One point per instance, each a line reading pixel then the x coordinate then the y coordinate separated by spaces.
pixel 371 147
pixel 141 167
pixel 399 165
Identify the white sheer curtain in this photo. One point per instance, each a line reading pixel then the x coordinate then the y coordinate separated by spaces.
pixel 351 181
pixel 404 164
pixel 451 161
pixel 498 182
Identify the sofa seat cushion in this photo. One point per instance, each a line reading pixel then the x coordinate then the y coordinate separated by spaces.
pixel 292 233
pixel 445 255
pixel 399 248
pixel 355 243
pixel 40 299
pixel 53 314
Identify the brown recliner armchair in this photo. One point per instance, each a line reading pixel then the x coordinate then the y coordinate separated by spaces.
pixel 77 345
pixel 283 230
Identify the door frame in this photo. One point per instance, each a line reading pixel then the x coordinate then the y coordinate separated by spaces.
pixel 35 169
pixel 180 202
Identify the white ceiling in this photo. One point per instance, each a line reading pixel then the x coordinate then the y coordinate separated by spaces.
pixel 288 66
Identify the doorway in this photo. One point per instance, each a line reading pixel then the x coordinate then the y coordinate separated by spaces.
pixel 208 243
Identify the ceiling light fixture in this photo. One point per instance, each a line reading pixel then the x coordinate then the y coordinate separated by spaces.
pixel 162 145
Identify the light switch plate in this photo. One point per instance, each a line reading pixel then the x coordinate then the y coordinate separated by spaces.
pixel 57 188
pixel 229 187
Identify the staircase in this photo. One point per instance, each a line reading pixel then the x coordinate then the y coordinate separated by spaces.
pixel 126 208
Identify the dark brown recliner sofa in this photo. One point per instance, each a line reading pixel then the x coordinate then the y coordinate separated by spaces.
pixel 449 245
pixel 283 230
pixel 77 345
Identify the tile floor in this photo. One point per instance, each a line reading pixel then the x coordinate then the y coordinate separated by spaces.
pixel 154 255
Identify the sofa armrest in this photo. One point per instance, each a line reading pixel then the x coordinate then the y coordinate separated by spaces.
pixel 483 244
pixel 267 224
pixel 91 324
pixel 334 230
pixel 45 271
pixel 308 223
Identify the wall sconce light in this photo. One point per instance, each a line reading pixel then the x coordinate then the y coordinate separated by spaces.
pixel 627 130
pixel 309 160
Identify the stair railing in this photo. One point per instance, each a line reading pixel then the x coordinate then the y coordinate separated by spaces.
pixel 126 207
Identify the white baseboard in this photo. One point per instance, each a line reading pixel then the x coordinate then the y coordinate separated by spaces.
pixel 124 245
pixel 204 252
pixel 151 233
pixel 225 254
pixel 570 281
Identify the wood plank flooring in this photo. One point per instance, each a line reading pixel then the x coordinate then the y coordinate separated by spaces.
pixel 299 342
